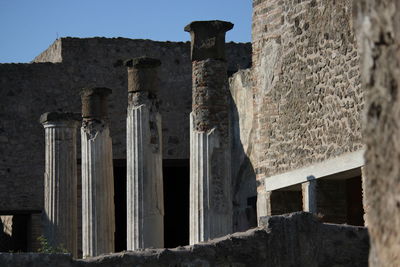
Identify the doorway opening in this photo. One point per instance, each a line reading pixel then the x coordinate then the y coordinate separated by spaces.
pixel 355 209
pixel 14 233
pixel 176 202
pixel 120 204
pixel 340 198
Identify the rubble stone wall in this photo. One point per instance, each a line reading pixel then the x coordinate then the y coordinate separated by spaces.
pixel 307 94
pixel 296 239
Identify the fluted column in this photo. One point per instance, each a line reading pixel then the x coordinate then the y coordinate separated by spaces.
pixel 145 203
pixel 60 180
pixel 98 220
pixel 210 140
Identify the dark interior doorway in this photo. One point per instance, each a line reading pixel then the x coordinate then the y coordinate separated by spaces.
pixel 14 232
pixel 355 209
pixel 176 202
pixel 120 204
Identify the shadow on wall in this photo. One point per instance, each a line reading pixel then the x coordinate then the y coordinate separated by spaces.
pixel 243 174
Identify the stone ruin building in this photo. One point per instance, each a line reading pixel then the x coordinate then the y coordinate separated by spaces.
pixel 191 143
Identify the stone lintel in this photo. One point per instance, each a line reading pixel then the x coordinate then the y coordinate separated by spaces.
pixel 50 117
pixel 94 102
pixel 344 166
pixel 143 74
pixel 208 39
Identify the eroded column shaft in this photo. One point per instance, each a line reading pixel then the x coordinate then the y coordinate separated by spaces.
pixel 98 225
pixel 145 203
pixel 60 181
pixel 210 140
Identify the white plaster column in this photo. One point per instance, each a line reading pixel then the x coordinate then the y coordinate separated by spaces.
pixel 145 203
pixel 60 180
pixel 210 187
pixel 309 192
pixel 210 138
pixel 98 220
pixel 263 204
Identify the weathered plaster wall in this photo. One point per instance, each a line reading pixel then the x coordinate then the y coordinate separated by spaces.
pixel 243 175
pixel 292 240
pixel 28 90
pixel 307 94
pixel 378 27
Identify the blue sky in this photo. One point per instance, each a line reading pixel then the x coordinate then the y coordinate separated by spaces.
pixel 29 26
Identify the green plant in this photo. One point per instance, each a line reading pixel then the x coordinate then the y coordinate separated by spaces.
pixel 45 247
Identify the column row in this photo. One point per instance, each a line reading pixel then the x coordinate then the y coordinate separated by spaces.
pixel 210 148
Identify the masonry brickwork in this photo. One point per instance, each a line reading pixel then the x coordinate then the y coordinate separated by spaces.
pixel 307 94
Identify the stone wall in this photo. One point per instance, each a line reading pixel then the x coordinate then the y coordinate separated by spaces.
pixel 296 239
pixel 377 24
pixel 307 94
pixel 28 90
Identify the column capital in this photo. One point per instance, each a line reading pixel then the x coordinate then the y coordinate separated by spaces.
pixel 60 119
pixel 208 39
pixel 142 74
pixel 94 102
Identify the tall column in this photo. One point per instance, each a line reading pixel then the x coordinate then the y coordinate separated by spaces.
pixel 210 141
pixel 145 203
pixel 60 180
pixel 98 224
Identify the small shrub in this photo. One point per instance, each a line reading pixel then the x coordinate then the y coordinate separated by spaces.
pixel 45 247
